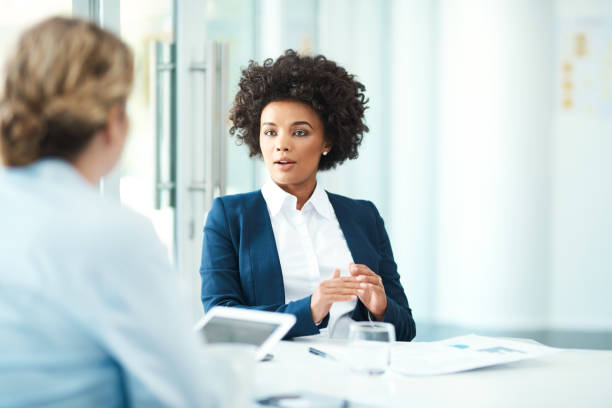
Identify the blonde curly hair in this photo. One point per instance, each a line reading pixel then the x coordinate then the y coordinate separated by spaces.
pixel 60 84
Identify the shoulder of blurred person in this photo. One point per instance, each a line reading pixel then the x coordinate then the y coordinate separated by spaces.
pixel 53 210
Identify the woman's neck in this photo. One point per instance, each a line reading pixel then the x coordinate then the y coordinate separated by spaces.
pixel 301 191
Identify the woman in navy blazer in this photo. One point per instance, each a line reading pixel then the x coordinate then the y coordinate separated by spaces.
pixel 301 114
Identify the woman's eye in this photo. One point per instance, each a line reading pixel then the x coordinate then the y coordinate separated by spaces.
pixel 300 132
pixel 269 132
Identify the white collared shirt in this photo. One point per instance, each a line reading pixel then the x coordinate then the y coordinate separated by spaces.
pixel 310 244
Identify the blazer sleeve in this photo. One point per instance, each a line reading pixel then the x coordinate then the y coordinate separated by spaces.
pixel 221 277
pixel 398 311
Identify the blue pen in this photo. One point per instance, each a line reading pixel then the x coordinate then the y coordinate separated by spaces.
pixel 320 353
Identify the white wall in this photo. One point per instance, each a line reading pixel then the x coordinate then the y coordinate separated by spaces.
pixel 581 252
pixel 354 34
pixel 412 161
pixel 495 109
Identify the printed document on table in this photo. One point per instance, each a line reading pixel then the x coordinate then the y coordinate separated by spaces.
pixel 462 353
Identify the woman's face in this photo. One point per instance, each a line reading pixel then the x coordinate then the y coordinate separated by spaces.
pixel 292 141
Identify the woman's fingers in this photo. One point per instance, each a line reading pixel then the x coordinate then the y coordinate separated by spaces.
pixel 362 282
pixel 341 291
pixel 374 280
pixel 369 287
pixel 360 269
pixel 342 284
pixel 364 274
pixel 338 291
pixel 343 298
pixel 371 290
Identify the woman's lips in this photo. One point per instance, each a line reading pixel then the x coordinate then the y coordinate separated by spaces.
pixel 284 164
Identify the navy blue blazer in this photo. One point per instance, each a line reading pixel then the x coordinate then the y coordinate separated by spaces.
pixel 240 264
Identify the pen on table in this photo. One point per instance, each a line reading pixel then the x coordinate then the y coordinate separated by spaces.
pixel 320 353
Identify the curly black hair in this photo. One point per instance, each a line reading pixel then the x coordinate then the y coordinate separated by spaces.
pixel 332 92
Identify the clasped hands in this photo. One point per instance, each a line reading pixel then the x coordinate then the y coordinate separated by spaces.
pixel 362 283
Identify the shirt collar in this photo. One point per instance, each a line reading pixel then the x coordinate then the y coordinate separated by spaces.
pixel 320 202
pixel 276 198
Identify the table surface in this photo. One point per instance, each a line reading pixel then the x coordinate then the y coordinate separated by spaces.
pixel 570 378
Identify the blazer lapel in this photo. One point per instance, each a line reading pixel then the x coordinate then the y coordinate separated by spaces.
pixel 357 239
pixel 266 270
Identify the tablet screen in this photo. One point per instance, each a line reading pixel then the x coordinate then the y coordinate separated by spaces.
pixel 225 330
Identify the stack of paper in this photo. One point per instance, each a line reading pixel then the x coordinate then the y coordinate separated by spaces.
pixel 461 354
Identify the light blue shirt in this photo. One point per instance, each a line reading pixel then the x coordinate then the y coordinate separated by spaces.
pixel 90 312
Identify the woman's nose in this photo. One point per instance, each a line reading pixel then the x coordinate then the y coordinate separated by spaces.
pixel 282 143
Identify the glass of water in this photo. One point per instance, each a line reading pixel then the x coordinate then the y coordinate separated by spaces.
pixel 370 346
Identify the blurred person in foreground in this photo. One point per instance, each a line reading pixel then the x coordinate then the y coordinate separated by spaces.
pixel 90 310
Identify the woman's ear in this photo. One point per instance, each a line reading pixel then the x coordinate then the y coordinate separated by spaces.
pixel 116 125
pixel 327 146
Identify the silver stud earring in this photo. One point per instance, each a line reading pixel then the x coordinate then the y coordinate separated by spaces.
pixel 325 153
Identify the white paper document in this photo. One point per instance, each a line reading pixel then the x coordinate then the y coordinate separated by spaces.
pixel 461 354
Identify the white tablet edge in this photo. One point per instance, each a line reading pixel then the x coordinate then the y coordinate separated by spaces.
pixel 285 322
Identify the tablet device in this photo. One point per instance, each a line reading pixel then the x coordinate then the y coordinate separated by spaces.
pixel 235 325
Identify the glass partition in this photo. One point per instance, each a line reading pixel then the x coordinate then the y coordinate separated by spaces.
pixel 146 172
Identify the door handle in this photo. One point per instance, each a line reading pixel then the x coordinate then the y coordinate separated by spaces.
pixel 213 182
pixel 164 92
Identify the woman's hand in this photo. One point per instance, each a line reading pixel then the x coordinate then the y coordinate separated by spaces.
pixel 336 289
pixel 371 291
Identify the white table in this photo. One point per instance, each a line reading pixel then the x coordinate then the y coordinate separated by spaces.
pixel 571 378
